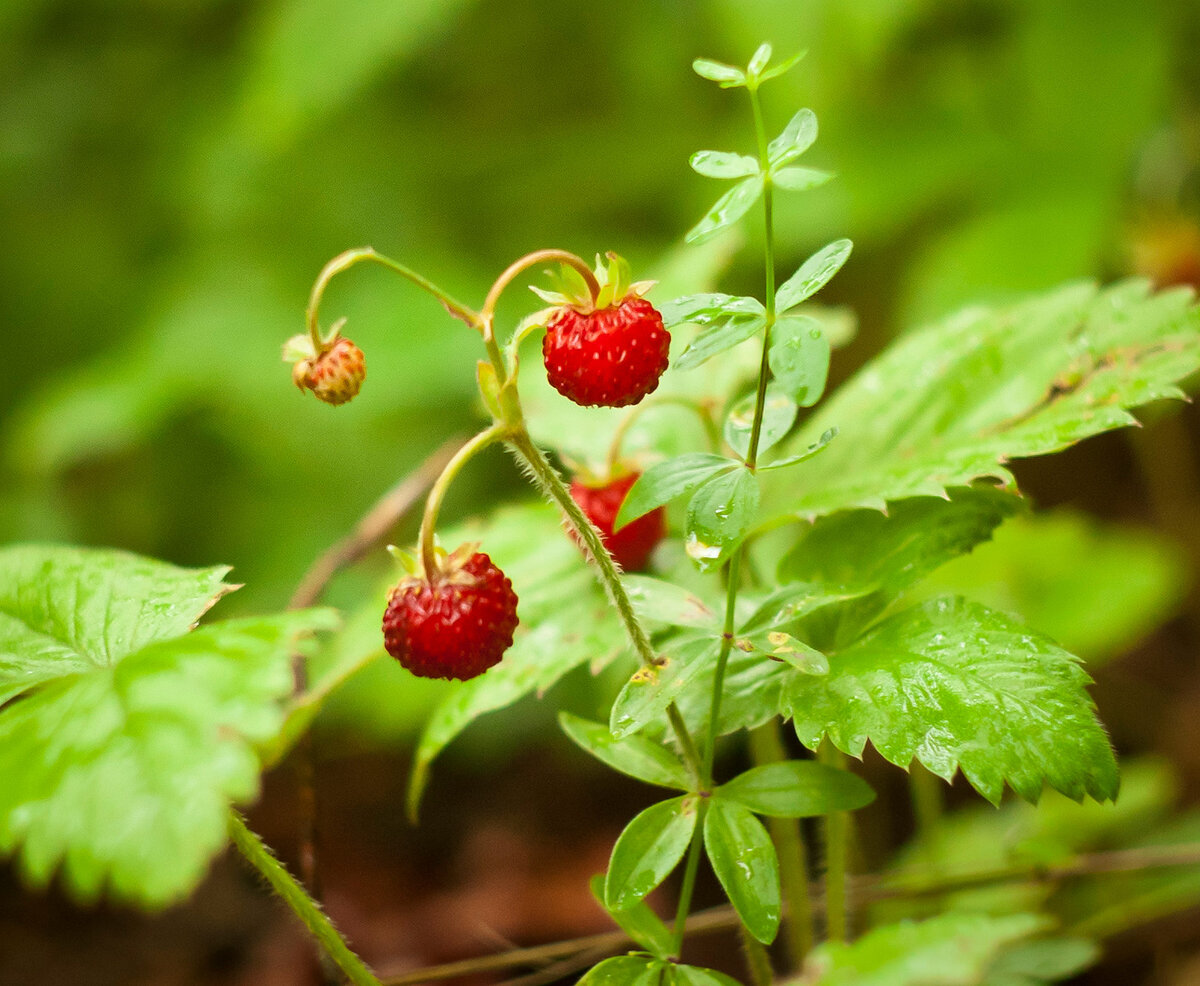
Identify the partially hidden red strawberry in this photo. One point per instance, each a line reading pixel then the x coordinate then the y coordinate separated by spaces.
pixel 603 349
pixel 632 544
pixel 334 375
pixel 456 626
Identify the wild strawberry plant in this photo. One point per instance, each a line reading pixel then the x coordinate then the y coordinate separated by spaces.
pixel 784 545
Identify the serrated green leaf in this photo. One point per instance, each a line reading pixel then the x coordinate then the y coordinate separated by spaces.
pixel 799 179
pixel 640 923
pixel 779 414
pixel 743 857
pixel 649 848
pixel 656 601
pixel 799 358
pixel 951 950
pixel 729 208
pixel 796 138
pixel 727 76
pixel 758 61
pixel 892 551
pixel 719 514
pixel 723 164
pixel 694 975
pixel 953 402
pixel 633 755
pixel 708 309
pixel 666 481
pixel 649 691
pixel 797 789
pixel 719 338
pixel 958 686
pixel 791 460
pixel 172 727
pixel 814 274
pixel 67 611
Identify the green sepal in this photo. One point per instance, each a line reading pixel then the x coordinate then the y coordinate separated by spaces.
pixel 726 76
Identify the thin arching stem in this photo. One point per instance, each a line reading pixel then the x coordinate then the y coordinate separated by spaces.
pixel 513 270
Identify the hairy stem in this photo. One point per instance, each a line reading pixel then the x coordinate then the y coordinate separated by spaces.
pixel 304 907
pixel 344 261
pixel 766 746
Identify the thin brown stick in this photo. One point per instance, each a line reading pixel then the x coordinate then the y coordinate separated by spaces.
pixel 554 971
pixel 862 887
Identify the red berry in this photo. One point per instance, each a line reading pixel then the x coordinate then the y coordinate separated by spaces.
pixel 610 357
pixel 457 626
pixel 632 544
pixel 334 376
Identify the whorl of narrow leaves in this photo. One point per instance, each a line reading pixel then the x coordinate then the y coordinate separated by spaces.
pixel 134 735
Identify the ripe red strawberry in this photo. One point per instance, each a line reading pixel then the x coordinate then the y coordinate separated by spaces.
pixel 608 357
pixel 457 626
pixel 632 544
pixel 334 375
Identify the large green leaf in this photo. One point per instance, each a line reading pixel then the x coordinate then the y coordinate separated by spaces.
pixel 957 685
pixel 73 610
pixel 744 859
pixel 956 401
pixel 123 773
pixel 951 950
pixel 649 848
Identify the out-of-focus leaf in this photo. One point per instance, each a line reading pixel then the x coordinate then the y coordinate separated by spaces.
pixel 796 138
pixel 729 208
pixel 779 414
pixel 723 164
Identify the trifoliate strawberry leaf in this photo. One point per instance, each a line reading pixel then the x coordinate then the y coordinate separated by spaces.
pixel 779 414
pixel 122 774
pixel 729 208
pixel 649 848
pixel 956 401
pixel 799 357
pixel 744 859
pixel 73 610
pixel 723 164
pixel 951 950
pixel 797 137
pixel 814 274
pixel 959 686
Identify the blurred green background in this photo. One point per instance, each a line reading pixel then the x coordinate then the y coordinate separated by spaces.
pixel 173 174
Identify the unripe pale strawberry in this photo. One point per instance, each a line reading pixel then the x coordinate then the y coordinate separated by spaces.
pixel 334 375
pixel 456 626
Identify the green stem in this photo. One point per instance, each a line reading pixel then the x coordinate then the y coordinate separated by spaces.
pixel 433 504
pixel 523 264
pixel 764 371
pixel 344 261
pixel 926 791
pixel 758 960
pixel 837 838
pixel 550 482
pixel 303 906
pixel 766 746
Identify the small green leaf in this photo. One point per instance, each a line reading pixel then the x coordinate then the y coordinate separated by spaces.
pixel 779 414
pixel 826 437
pixel 790 603
pixel 776 645
pixel 799 358
pixel 664 481
pixel 726 76
pixel 719 514
pixel 797 137
pixel 648 850
pixel 622 970
pixel 729 208
pixel 758 61
pixel 650 690
pixel 777 70
pixel 694 975
pixel 708 309
pixel 744 860
pixel 799 179
pixel 723 164
pixel 951 950
pixel 634 755
pixel 640 923
pixel 959 686
pixel 813 275
pixel 718 339
pixel 797 789
pixel 657 601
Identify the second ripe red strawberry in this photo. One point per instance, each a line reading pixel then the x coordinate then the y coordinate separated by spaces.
pixel 632 545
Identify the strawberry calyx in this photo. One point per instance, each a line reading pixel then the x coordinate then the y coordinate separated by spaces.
pixel 614 280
